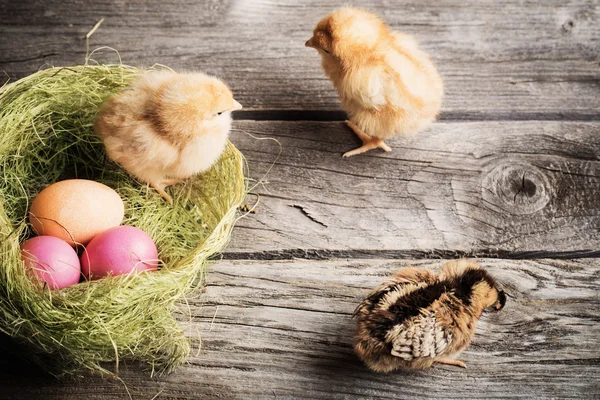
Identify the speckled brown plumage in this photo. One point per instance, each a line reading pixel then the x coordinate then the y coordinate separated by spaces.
pixel 417 318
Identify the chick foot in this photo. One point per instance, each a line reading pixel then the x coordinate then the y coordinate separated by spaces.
pixel 449 361
pixel 369 142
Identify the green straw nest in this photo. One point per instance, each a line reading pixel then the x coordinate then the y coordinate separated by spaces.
pixel 46 135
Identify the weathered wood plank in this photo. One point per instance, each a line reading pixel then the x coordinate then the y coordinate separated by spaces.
pixel 283 330
pixel 491 186
pixel 499 59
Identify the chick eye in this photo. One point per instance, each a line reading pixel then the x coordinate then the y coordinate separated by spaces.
pixel 326 51
pixel 220 112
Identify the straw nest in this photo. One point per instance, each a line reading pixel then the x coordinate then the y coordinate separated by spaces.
pixel 46 135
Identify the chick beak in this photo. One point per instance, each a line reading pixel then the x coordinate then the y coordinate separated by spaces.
pixel 499 305
pixel 310 43
pixel 236 106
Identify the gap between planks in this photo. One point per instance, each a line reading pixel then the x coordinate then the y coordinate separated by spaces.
pixel 449 116
pixel 327 254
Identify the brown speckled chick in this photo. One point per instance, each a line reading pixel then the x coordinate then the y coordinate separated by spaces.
pixel 386 83
pixel 418 318
pixel 166 126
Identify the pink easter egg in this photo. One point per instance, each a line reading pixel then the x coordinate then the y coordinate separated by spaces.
pixel 117 251
pixel 52 260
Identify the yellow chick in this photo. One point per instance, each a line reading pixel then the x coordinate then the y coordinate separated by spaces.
pixel 386 84
pixel 418 318
pixel 166 126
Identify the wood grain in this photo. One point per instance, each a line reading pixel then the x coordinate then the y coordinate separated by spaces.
pixel 503 175
pixel 500 60
pixel 284 330
pixel 479 186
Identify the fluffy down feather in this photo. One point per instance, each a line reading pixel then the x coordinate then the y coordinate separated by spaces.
pixel 386 84
pixel 417 318
pixel 166 127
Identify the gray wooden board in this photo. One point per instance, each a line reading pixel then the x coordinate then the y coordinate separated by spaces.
pixel 468 186
pixel 500 59
pixel 515 181
pixel 284 330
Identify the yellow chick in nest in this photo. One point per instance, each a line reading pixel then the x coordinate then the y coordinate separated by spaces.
pixel 418 318
pixel 386 84
pixel 166 126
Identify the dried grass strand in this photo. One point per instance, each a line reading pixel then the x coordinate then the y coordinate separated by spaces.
pixel 45 136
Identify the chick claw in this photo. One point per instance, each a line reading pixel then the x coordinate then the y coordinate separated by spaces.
pixel 369 142
pixel 449 361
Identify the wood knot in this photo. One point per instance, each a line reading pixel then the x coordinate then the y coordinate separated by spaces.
pixel 568 26
pixel 517 188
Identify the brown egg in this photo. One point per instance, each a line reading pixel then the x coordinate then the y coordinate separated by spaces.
pixel 76 210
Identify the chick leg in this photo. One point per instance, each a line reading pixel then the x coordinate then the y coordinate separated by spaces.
pixel 160 188
pixel 171 182
pixel 449 361
pixel 369 142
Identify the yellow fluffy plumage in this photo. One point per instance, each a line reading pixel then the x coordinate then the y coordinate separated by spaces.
pixel 386 84
pixel 166 127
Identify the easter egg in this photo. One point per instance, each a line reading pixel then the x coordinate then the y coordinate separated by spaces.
pixel 119 251
pixel 76 210
pixel 51 260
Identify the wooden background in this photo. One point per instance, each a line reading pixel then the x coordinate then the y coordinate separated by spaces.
pixel 510 175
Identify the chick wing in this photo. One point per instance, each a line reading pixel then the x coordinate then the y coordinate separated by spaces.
pixel 420 337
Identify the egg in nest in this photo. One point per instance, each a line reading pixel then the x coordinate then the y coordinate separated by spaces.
pixel 76 210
